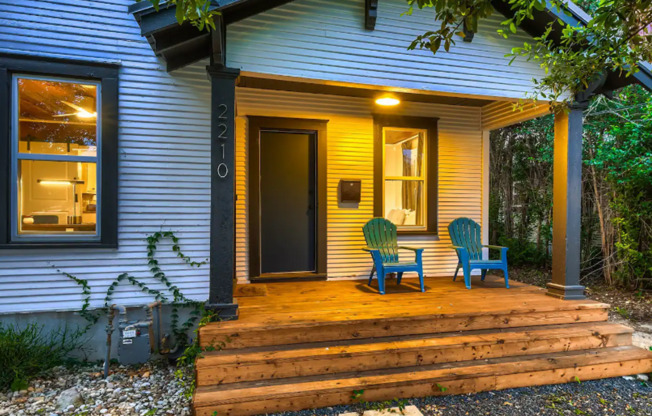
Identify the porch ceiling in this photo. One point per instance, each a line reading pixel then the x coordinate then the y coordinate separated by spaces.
pixel 247 81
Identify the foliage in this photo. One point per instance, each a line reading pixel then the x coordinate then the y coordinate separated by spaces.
pixel 619 159
pixel 186 362
pixel 520 214
pixel 200 13
pixel 524 252
pixel 616 190
pixel 178 299
pixel 381 407
pixel 85 312
pixel 616 39
pixel 29 351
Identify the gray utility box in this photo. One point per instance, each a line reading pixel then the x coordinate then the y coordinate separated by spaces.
pixel 134 346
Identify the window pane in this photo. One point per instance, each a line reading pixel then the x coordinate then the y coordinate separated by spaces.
pixel 57 117
pixel 404 150
pixel 56 197
pixel 405 202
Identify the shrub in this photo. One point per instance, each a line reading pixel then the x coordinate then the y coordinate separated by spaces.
pixel 523 253
pixel 29 351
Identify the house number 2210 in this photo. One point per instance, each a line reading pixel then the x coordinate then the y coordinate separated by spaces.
pixel 222 168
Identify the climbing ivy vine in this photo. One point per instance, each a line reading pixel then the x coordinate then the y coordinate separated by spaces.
pixel 178 299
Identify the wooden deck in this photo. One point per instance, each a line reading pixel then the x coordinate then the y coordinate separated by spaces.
pixel 310 344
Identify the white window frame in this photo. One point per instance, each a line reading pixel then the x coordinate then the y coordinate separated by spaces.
pixel 423 178
pixel 16 156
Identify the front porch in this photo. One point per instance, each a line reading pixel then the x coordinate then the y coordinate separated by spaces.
pixel 300 345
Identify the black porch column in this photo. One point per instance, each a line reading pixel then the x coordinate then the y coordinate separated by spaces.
pixel 222 233
pixel 567 208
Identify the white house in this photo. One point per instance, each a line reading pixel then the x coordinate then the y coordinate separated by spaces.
pixel 117 122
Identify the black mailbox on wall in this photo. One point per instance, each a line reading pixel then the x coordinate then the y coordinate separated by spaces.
pixel 350 190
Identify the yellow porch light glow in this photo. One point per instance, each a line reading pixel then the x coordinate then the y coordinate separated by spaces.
pixel 387 101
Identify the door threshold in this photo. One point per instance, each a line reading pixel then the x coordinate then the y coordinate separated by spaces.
pixel 288 277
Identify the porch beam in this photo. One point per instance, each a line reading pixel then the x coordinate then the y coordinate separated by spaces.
pixel 222 228
pixel 370 14
pixel 567 208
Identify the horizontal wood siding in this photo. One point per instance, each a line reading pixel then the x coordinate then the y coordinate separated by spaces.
pixel 164 180
pixel 504 113
pixel 350 156
pixel 326 40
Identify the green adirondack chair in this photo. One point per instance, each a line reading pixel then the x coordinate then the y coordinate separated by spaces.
pixel 380 235
pixel 466 236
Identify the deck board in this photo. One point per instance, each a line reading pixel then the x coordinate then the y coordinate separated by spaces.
pixel 294 302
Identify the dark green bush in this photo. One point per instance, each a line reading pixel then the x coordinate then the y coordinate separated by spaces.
pixel 29 351
pixel 524 253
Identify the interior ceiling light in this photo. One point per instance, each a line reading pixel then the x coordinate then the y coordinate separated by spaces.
pixel 387 101
pixel 85 114
pixel 81 112
pixel 59 182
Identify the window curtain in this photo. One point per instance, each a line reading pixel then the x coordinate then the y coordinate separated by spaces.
pixel 411 197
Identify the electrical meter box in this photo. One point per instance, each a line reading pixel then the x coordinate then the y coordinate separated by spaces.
pixel 134 346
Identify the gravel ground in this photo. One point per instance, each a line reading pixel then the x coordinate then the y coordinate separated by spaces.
pixel 615 396
pixel 153 390
pixel 148 390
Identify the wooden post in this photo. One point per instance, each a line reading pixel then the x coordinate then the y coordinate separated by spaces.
pixel 222 232
pixel 567 209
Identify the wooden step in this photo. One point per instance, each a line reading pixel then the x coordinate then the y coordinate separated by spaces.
pixel 268 396
pixel 249 364
pixel 332 327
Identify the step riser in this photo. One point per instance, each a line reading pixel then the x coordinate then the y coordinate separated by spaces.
pixel 325 331
pixel 346 362
pixel 422 389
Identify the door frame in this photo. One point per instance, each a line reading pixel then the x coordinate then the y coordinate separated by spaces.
pixel 286 125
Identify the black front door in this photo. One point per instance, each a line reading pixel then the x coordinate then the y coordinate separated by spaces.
pixel 287 202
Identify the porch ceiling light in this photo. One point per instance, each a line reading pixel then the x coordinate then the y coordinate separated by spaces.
pixel 387 101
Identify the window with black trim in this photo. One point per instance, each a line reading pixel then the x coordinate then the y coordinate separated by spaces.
pixel 406 172
pixel 61 157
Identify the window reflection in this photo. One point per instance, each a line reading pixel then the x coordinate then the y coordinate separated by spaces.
pixel 57 117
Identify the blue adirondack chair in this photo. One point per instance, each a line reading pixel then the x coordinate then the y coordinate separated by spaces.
pixel 380 235
pixel 466 236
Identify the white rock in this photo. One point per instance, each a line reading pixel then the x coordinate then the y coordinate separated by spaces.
pixel 630 378
pixel 643 377
pixel 394 411
pixel 70 397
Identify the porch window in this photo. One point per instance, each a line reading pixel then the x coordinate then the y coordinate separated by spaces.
pixel 62 154
pixel 405 177
pixel 406 172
